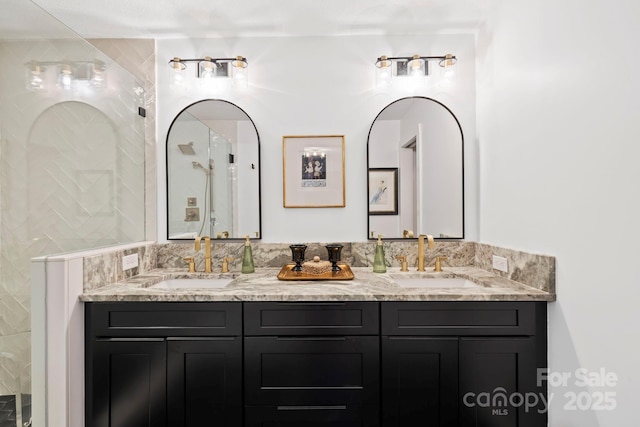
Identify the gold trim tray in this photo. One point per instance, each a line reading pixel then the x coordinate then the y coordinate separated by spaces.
pixel 287 273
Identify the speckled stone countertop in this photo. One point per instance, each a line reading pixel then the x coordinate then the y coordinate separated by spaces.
pixel 263 285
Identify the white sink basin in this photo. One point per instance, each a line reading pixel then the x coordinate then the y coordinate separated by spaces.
pixel 433 282
pixel 193 283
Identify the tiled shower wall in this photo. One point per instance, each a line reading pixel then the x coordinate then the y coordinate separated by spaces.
pixel 72 175
pixel 138 57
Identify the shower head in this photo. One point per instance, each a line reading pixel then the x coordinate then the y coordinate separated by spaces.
pixel 187 149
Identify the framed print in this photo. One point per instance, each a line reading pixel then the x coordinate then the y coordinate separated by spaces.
pixel 383 191
pixel 313 171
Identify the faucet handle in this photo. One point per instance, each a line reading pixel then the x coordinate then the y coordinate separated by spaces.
pixel 403 262
pixel 225 264
pixel 438 266
pixel 192 263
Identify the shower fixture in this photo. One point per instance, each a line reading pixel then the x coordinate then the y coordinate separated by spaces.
pixel 187 149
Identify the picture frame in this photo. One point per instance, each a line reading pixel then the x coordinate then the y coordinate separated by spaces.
pixel 383 191
pixel 313 171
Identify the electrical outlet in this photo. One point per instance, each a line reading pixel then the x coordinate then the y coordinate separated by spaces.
pixel 500 263
pixel 129 262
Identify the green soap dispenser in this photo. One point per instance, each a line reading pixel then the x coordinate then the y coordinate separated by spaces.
pixel 379 265
pixel 247 258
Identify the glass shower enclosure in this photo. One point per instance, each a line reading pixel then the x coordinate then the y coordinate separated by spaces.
pixel 72 162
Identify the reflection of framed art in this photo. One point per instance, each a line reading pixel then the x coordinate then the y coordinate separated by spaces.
pixel 313 171
pixel 383 191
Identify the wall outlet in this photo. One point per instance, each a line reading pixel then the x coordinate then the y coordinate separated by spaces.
pixel 500 263
pixel 129 262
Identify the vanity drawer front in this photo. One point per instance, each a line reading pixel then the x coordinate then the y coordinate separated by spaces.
pixel 311 370
pixel 458 318
pixel 308 318
pixel 312 416
pixel 149 319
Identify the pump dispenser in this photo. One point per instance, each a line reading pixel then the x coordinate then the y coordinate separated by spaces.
pixel 247 258
pixel 379 265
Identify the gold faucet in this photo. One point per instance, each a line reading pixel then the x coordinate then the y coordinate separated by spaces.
pixel 403 262
pixel 207 252
pixel 192 263
pixel 430 245
pixel 225 264
pixel 438 266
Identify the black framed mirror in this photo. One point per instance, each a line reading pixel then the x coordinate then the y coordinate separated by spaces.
pixel 213 173
pixel 415 171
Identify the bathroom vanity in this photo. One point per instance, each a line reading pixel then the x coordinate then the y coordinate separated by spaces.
pixel 264 353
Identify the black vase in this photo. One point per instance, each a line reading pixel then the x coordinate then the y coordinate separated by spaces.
pixel 334 250
pixel 297 255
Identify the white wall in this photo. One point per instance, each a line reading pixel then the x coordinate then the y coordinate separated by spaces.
pixel 317 86
pixel 558 127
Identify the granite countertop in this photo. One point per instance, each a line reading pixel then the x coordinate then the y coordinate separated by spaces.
pixel 263 285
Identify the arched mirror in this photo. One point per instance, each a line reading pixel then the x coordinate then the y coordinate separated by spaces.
pixel 213 173
pixel 415 171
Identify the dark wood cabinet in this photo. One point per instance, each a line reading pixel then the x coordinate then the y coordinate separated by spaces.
pixel 498 382
pixel 317 364
pixel 313 364
pixel 466 364
pixel 153 364
pixel 126 383
pixel 204 381
pixel 420 381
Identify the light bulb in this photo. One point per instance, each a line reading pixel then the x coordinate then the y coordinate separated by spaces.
pixel 65 77
pixel 240 71
pixel 383 72
pixel 35 78
pixel 416 67
pixel 207 68
pixel 177 73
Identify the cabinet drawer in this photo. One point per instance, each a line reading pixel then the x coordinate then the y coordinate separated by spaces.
pixel 124 319
pixel 311 370
pixel 312 416
pixel 459 318
pixel 339 318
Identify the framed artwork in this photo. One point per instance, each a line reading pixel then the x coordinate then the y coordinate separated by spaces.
pixel 313 171
pixel 383 191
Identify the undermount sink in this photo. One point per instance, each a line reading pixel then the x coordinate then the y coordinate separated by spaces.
pixel 433 282
pixel 193 283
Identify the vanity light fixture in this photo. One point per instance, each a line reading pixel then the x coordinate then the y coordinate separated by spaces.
pixel 415 66
pixel 65 74
pixel 209 68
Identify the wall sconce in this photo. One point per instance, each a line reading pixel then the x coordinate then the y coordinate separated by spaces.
pixel 415 66
pixel 209 68
pixel 67 73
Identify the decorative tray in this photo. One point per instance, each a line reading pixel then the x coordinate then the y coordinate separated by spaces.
pixel 288 274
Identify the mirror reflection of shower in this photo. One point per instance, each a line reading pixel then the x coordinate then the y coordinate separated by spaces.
pixel 208 191
pixel 213 190
pixel 213 178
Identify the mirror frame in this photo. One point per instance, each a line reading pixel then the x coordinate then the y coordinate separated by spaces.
pixel 369 237
pixel 231 239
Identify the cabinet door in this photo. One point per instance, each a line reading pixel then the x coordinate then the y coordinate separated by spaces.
pixel 126 383
pixel 204 382
pixel 312 370
pixel 498 383
pixel 419 381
